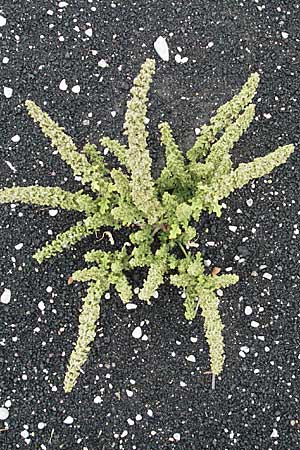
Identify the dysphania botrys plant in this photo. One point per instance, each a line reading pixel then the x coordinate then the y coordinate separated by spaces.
pixel 158 211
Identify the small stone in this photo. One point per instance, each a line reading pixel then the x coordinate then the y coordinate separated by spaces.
pixel 248 310
pixel 63 85
pixel 97 399
pixel 129 393
pixel 150 413
pixel 267 276
pixel 210 44
pixel 131 306
pixel 2 21
pixel 76 89
pixel 197 131
pixel 68 420
pixel 232 228
pixel 176 436
pixel 284 34
pixel 130 422
pixel 41 306
pixel 124 434
pixel 191 358
pixel 138 417
pixel 53 212
pixel 4 413
pixel 102 63
pixel 249 202
pixel 161 48
pixel 19 246
pixel 24 434
pixel 41 425
pixel 274 433
pixel 6 296
pixel 16 138
pixel 89 32
pixel 137 333
pixel 254 324
pixel 8 92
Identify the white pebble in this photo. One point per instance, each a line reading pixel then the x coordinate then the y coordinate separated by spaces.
pixel 249 202
pixel 97 399
pixel 68 420
pixel 124 434
pixel 210 44
pixel 182 384
pixel 102 63
pixel 137 333
pixel 53 212
pixel 130 306
pixel 6 296
pixel 2 21
pixel 242 354
pixel 161 48
pixel 191 358
pixel 176 436
pixel 284 34
pixel 150 413
pixel 254 324
pixel 267 275
pixel 41 425
pixel 76 89
pixel 19 246
pixel 267 115
pixel 274 433
pixel 41 306
pixel 232 228
pixel 63 85
pixel 24 434
pixel 7 404
pixel 62 4
pixel 248 310
pixel 49 289
pixel 197 131
pixel 130 422
pixel 5 60
pixel 178 58
pixel 16 138
pixel 129 393
pixel 89 32
pixel 4 413
pixel 138 417
pixel 8 92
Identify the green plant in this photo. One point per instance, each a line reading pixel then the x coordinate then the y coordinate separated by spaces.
pixel 158 212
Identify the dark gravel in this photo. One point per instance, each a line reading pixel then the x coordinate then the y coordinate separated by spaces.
pixel 256 401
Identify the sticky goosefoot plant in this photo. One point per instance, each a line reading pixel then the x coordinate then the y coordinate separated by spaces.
pixel 158 212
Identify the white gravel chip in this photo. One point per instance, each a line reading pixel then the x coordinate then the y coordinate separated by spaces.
pixel 267 276
pixel 2 21
pixel 249 202
pixel 76 89
pixel 97 399
pixel 232 228
pixel 137 333
pixel 6 296
pixel 8 92
pixel 274 433
pixel 248 310
pixel 130 306
pixel 102 63
pixel 161 48
pixel 19 246
pixel 4 413
pixel 254 324
pixel 16 138
pixel 41 306
pixel 41 425
pixel 63 85
pixel 176 436
pixel 89 32
pixel 284 34
pixel 191 358
pixel 68 420
pixel 24 434
pixel 53 212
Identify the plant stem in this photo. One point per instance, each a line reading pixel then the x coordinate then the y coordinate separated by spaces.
pixel 183 249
